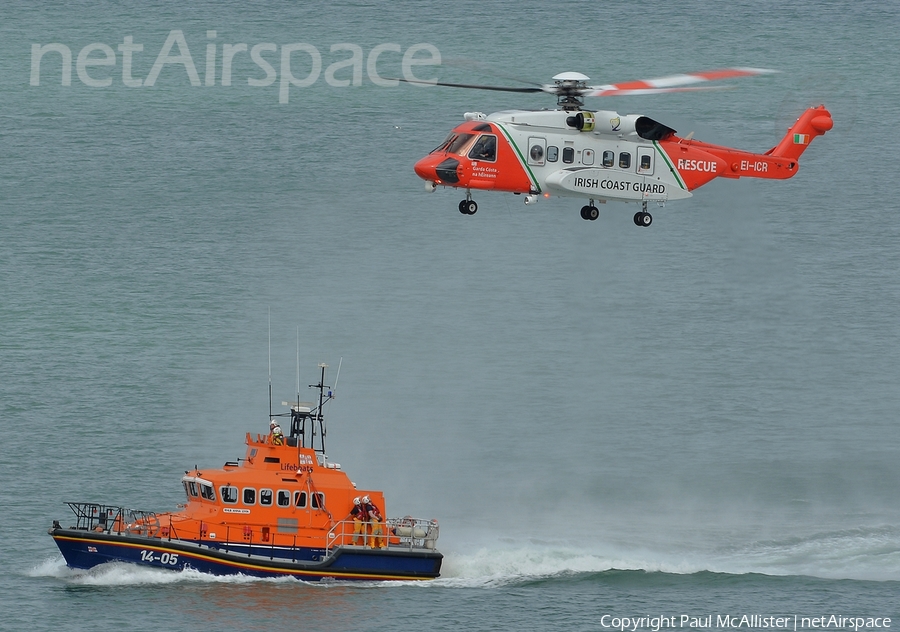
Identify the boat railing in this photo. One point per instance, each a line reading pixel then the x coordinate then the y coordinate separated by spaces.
pixel 113 519
pixel 406 532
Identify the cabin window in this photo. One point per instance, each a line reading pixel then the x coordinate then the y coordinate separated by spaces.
pixel 568 155
pixel 207 492
pixel 552 153
pixel 485 148
pixel 186 491
pixel 536 151
pixel 192 487
pixel 318 500
pixel 587 157
pixel 249 496
pixel 284 498
pixel 609 158
pixel 229 494
pixel 265 497
pixel 300 499
pixel 624 160
pixel 645 160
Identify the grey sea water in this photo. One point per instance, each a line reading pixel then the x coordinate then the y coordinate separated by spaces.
pixel 699 418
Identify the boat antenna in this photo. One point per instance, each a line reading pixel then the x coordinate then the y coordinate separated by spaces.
pixel 333 392
pixel 298 366
pixel 319 419
pixel 270 363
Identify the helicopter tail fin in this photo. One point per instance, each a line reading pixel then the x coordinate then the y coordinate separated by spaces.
pixel 813 122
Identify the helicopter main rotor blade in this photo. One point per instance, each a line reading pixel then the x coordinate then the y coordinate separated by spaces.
pixel 672 83
pixel 468 85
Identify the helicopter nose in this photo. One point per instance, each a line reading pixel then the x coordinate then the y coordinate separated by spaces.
pixel 437 170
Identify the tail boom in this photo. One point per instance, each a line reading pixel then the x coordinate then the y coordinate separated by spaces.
pixel 698 162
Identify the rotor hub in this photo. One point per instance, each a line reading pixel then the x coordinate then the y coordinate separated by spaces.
pixel 569 88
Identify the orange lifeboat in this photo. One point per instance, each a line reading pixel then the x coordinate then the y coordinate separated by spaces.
pixel 284 509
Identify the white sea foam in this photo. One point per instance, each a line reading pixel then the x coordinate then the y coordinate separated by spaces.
pixel 125 574
pixel 863 553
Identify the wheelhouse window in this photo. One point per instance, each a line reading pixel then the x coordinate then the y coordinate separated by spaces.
pixel 300 499
pixel 284 498
pixel 207 492
pixel 192 489
pixel 229 494
pixel 265 497
pixel 568 155
pixel 609 158
pixel 624 160
pixel 249 496
pixel 485 148
pixel 552 153
pixel 318 500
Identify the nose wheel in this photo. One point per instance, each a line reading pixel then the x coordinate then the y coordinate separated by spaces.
pixel 590 212
pixel 468 207
pixel 643 218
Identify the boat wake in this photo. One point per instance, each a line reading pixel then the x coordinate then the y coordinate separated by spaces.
pixel 870 554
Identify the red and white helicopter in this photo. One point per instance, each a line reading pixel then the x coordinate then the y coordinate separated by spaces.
pixel 601 155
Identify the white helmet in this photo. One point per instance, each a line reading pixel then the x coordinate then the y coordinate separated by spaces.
pixel 273 423
pixel 366 499
pixel 356 500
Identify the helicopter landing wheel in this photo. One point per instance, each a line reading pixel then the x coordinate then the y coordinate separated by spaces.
pixel 643 218
pixel 590 212
pixel 468 207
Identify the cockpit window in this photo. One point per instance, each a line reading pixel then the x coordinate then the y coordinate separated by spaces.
pixel 457 143
pixel 443 146
pixel 485 148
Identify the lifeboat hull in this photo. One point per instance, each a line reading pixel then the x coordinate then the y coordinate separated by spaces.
pixel 85 549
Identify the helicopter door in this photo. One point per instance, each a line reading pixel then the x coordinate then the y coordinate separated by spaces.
pixel 645 161
pixel 537 151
